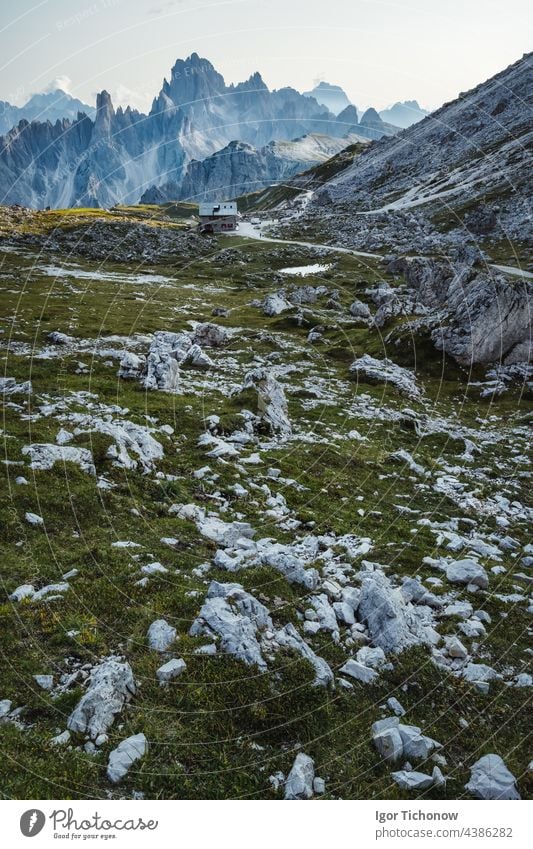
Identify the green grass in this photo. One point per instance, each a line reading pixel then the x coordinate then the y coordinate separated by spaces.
pixel 222 728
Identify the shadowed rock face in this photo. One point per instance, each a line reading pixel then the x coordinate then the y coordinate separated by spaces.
pixel 481 317
pixel 240 168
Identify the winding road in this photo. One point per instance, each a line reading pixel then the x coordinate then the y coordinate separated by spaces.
pixel 251 231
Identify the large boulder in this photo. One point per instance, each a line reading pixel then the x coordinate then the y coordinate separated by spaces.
pixel 467 571
pixel 373 371
pixel 490 779
pixel 126 753
pixel 271 401
pixel 393 624
pixel 299 784
pixel 111 686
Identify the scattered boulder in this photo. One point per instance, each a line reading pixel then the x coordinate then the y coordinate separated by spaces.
pixel 244 627
pixel 467 572
pixel 131 366
pixel 371 370
pixel 34 519
pixel 358 309
pixel 126 753
pixel 111 686
pixel 271 401
pixel 45 455
pixel 210 335
pixel 490 779
pixel 387 740
pixel 299 783
pixel 237 618
pixel 358 671
pixel 393 623
pixel 161 635
pixel 412 780
pixel 275 304
pixel 170 670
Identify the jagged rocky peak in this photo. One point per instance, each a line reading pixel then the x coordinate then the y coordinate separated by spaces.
pixel 193 79
pixel 404 114
pixel 104 115
pixel 348 116
pixel 371 118
pixel 331 96
pixel 254 83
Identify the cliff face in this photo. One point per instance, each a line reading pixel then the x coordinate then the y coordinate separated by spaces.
pixel 240 168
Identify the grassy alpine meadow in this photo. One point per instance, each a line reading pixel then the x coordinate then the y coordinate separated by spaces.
pixel 361 479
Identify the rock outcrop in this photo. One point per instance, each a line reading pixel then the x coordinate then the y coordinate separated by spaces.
pixel 111 686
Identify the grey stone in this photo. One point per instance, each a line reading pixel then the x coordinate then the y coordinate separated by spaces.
pixel 124 756
pixel 490 779
pixel 170 670
pixel 160 635
pixel 111 686
pixel 299 783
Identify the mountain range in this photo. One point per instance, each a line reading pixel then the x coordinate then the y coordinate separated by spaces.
pixel 47 106
pixel 117 155
pixel 334 98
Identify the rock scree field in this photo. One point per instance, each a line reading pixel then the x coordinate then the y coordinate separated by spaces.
pixel 266 533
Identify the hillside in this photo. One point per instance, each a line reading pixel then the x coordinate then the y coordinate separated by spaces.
pixel 233 487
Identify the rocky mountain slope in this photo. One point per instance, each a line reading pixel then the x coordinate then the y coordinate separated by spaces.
pixel 118 155
pixel 240 168
pixel 464 170
pixel 254 547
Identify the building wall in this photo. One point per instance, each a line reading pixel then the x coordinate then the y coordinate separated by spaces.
pixel 218 224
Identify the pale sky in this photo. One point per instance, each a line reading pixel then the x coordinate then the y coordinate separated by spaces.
pixel 379 51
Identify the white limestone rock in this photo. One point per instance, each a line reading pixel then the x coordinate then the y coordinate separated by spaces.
pixel 412 780
pixel 124 756
pixel 357 670
pixel 170 670
pixel 393 624
pixel 34 519
pixel 160 635
pixel 490 779
pixel 275 304
pixel 45 682
pixel 131 365
pixel 237 618
pixel 289 638
pixel 210 335
pixel 475 672
pixel 455 648
pixel 5 708
pixel 385 371
pixel 299 783
pixel 111 686
pixel 415 744
pixel 467 571
pixel 386 738
pixel 44 456
pixel 271 401
pixel 24 591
